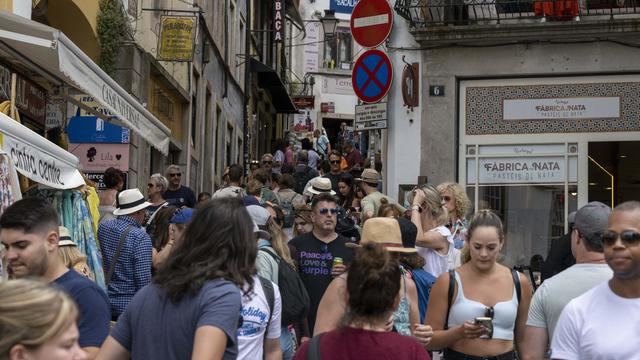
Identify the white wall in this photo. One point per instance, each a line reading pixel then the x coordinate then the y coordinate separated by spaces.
pixel 403 154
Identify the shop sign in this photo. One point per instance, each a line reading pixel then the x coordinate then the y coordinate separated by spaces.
pixel 328 107
pixel 343 6
pixel 100 157
pixel 38 165
pixel 31 99
pixel 311 48
pixel 303 120
pixel 176 39
pixel 371 116
pixel 98 178
pixel 92 129
pixel 342 86
pixel 522 170
pixel 278 20
pixel 304 102
pixel 562 108
pixel 55 113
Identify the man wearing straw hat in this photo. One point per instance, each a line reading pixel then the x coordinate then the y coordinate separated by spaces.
pixel 126 250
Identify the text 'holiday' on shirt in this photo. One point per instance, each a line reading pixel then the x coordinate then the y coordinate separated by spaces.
pixel 314 259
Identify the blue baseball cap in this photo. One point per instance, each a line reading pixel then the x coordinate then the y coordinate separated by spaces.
pixel 182 216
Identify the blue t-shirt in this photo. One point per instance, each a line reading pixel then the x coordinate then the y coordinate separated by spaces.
pixel 184 196
pixel 93 304
pixel 153 327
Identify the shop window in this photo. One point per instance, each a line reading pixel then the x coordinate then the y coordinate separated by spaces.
pixel 338 50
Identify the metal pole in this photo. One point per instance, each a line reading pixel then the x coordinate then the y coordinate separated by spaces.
pixel 247 90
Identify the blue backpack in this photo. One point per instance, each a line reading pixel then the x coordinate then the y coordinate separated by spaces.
pixel 424 281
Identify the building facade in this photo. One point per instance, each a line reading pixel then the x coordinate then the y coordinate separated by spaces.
pixel 537 108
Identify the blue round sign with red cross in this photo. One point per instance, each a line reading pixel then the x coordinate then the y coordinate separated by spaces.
pixel 372 75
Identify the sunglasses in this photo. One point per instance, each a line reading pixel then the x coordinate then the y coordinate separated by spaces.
pixel 150 185
pixel 629 238
pixel 335 161
pixel 489 312
pixel 325 211
pixel 175 175
pixel 267 162
pixel 446 198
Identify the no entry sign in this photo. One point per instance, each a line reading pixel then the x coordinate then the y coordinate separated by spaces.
pixel 371 22
pixel 372 75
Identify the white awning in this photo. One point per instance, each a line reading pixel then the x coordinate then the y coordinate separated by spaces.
pixel 51 50
pixel 38 158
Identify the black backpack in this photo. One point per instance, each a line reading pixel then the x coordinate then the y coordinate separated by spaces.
pixel 295 300
pixel 302 178
pixel 345 226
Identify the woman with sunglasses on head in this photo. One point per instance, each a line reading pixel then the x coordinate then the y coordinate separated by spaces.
pixel 457 203
pixel 489 302
pixel 434 242
pixel 37 322
pixel 156 186
pixel 192 308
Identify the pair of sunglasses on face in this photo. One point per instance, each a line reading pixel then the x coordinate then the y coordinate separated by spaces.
pixel 325 211
pixel 629 238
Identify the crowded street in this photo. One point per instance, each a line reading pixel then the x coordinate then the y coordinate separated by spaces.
pixel 319 180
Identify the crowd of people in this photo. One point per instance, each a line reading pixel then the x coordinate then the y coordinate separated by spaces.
pixel 306 258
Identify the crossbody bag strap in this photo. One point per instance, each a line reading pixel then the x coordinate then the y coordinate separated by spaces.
pixel 114 261
pixel 452 280
pixel 164 204
pixel 314 352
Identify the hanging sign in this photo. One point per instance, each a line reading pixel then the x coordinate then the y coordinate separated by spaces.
pixel 372 75
pixel 100 157
pixel 278 20
pixel 92 129
pixel 371 22
pixel 411 85
pixel 176 40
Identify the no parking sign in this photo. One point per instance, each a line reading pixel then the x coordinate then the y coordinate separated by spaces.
pixel 372 76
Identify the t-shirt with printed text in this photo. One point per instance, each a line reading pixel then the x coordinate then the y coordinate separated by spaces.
pixel 314 259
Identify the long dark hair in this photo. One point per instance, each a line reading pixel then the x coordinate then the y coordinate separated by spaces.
pixel 373 282
pixel 218 243
pixel 346 201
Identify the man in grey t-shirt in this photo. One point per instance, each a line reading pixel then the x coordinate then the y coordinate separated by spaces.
pixel 554 294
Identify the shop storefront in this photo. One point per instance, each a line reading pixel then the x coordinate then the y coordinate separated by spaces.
pixel 535 149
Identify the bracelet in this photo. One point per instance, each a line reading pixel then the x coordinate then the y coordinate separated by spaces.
pixel 417 208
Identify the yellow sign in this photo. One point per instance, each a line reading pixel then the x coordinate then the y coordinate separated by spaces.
pixel 177 38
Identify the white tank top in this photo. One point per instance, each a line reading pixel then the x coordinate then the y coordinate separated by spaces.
pixel 504 312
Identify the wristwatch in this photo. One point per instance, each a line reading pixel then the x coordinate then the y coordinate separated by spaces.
pixel 416 208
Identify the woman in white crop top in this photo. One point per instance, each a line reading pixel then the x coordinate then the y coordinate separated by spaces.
pixel 482 288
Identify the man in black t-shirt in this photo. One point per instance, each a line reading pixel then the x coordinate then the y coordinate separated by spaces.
pixel 177 194
pixel 314 252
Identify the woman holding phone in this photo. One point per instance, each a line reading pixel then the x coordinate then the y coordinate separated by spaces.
pixel 489 302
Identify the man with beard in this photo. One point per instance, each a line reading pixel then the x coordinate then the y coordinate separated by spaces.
pixel 29 234
pixel 603 322
pixel 314 252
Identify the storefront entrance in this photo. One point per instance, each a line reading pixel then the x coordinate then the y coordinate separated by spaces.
pixel 614 171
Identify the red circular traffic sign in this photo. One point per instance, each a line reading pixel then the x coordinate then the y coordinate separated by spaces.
pixel 371 22
pixel 372 76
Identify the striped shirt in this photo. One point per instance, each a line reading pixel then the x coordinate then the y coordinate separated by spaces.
pixel 133 268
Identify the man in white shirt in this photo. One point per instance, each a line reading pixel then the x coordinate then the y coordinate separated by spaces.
pixel 554 294
pixel 604 322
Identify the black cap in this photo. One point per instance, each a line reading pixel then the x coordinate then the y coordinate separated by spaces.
pixel 409 232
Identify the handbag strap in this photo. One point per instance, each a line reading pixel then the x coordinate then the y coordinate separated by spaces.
pixel 452 280
pixel 314 352
pixel 112 267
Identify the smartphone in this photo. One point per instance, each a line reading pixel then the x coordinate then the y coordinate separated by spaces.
pixel 487 322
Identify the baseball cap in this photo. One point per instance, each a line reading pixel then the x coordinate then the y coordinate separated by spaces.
pixel 592 219
pixel 260 217
pixel 181 216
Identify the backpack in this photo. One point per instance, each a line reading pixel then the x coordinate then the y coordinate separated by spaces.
pixel 270 294
pixel 345 226
pixel 288 211
pixel 424 281
pixel 302 178
pixel 295 300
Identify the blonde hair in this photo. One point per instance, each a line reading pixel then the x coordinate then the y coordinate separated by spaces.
pixel 433 204
pixel 70 255
pixel 279 241
pixel 463 204
pixel 32 313
pixel 303 212
pixel 387 209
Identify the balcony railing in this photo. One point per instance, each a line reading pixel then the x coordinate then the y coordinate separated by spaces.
pixel 428 13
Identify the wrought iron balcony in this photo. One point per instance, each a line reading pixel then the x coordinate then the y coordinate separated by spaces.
pixel 460 20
